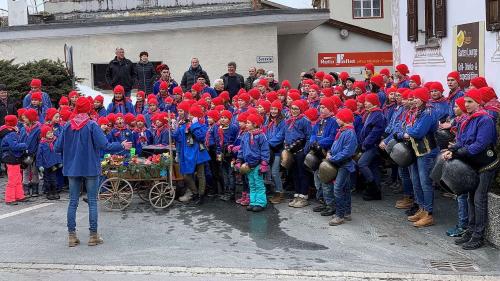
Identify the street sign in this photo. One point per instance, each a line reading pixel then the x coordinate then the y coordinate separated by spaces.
pixel 265 59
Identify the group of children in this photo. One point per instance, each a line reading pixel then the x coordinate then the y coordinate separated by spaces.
pixel 246 138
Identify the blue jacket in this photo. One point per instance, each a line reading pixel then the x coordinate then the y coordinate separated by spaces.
pixel 156 87
pixel 214 137
pixel 127 107
pixel 41 110
pixel 254 152
pixel 230 133
pixel 191 154
pixel 162 138
pixel 381 98
pixel 275 134
pixel 372 130
pixel 404 84
pixel 440 109
pixel 452 100
pixel 120 136
pixel 169 107
pixel 210 90
pixel 389 111
pixel 323 133
pixel 12 145
pixel 102 112
pixel 300 130
pixel 344 148
pixel 46 102
pixel 358 123
pixel 31 140
pixel 81 150
pixel 425 125
pixel 148 116
pixel 56 128
pixel 394 123
pixel 47 158
pixel 477 135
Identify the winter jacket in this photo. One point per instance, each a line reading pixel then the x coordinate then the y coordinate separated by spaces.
pixel 249 82
pixel 381 98
pixel 372 130
pixel 11 143
pixel 452 97
pixel 343 148
pixel 323 133
pixel 81 149
pixel 232 92
pixel 124 108
pixel 145 76
pixel 148 115
pixel 425 124
pixel 46 157
pixel 171 85
pixel 477 134
pixel 275 133
pixel 440 109
pixel 213 138
pixel 41 110
pixel 405 83
pixel 394 123
pixel 230 133
pixel 102 112
pixel 300 130
pixel 160 137
pixel 8 108
pixel 191 150
pixel 210 90
pixel 31 139
pixel 117 135
pixel 121 72
pixel 45 100
pixel 254 149
pixel 189 78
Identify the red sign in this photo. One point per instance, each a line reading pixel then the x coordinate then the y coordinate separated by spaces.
pixel 354 59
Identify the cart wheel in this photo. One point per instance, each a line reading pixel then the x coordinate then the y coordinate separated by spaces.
pixel 115 194
pixel 161 195
pixel 142 189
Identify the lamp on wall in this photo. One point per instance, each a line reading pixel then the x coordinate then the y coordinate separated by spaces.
pixel 344 33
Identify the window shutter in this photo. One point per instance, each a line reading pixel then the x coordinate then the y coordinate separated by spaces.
pixel 412 15
pixel 492 15
pixel 440 18
pixel 429 19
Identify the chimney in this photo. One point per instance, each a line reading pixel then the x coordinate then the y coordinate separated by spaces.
pixel 18 12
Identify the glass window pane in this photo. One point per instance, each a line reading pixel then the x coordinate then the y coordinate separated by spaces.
pixel 367 12
pixel 357 4
pixel 376 4
pixel 367 4
pixel 357 13
pixel 376 12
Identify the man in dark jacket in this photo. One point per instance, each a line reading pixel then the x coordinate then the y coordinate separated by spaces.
pixel 145 73
pixel 233 81
pixel 252 76
pixel 7 105
pixel 121 71
pixel 190 76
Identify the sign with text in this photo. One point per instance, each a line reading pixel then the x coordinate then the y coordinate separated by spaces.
pixel 354 59
pixel 469 51
pixel 265 59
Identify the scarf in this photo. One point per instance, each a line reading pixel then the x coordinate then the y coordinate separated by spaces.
pixel 388 106
pixel 139 106
pixel 457 122
pixel 344 128
pixel 159 130
pixel 254 133
pixel 492 105
pixel 442 99
pixel 79 121
pixel 50 142
pixel 5 127
pixel 451 95
pixel 476 114
pixel 291 121
pixel 369 111
pixel 32 127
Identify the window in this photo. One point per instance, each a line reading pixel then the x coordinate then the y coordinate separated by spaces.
pixel 493 15
pixel 367 9
pixel 434 20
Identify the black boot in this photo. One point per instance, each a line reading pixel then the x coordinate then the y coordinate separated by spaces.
pixel 328 211
pixel 199 200
pixel 413 210
pixel 195 199
pixel 473 243
pixel 319 208
pixel 35 190
pixel 465 238
pixel 27 190
pixel 372 192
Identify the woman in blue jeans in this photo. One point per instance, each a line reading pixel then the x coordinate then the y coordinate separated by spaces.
pixel 275 133
pixel 80 143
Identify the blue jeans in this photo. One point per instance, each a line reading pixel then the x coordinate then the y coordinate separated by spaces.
pixel 324 189
pixel 298 171
pixel 404 174
pixel 342 192
pixel 257 188
pixel 275 173
pixel 463 210
pixel 228 175
pixel 74 196
pixel 478 204
pixel 368 165
pixel 424 191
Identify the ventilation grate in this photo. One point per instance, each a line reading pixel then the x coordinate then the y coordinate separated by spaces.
pixel 454 266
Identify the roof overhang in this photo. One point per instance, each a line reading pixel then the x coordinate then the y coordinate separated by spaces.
pixel 292 21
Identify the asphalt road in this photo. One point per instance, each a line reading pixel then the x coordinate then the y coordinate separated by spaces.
pixel 221 241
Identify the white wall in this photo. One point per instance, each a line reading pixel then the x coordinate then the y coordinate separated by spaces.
pixel 299 52
pixel 341 10
pixel 215 47
pixel 458 12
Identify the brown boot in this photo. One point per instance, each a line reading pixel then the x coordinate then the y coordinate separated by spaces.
pixel 95 239
pixel 277 198
pixel 417 216
pixel 426 220
pixel 73 241
pixel 404 203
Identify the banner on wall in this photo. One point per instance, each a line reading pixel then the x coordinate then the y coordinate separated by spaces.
pixel 468 55
pixel 354 59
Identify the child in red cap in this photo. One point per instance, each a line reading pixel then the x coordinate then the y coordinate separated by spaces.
pixel 30 134
pixel 37 105
pixel 121 133
pixel 48 162
pixel 229 134
pixel 213 141
pixel 99 107
pixel 140 103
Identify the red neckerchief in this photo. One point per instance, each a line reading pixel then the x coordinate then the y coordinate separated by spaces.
pixel 207 135
pixel 152 112
pixel 309 100
pixel 11 128
pixel 139 106
pixel 458 121
pixel 451 95
pixel 79 121
pixel 49 142
pixel 411 116
pixel 32 127
pixel 388 106
pixel 140 130
pixel 404 79
pixel 339 132
pixel 291 121
pixel 476 114
pixel 271 123
pixel 442 99
pixel 159 130
pixel 254 133
pixel 121 102
pixel 492 105
pixel 369 111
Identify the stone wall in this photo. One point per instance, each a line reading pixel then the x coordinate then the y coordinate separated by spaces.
pixel 493 230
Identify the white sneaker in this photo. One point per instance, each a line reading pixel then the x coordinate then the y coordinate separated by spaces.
pixel 187 196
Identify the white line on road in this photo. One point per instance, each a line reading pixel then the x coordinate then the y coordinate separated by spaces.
pixel 18 212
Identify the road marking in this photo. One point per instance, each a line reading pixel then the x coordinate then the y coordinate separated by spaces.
pixel 22 211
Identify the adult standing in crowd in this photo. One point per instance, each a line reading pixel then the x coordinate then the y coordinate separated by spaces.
pixel 274 85
pixel 36 86
pixel 145 73
pixel 190 76
pixel 83 139
pixel 165 75
pixel 7 105
pixel 121 71
pixel 233 81
pixel 252 76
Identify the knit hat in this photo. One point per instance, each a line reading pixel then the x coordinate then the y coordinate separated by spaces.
pixel 227 114
pixel 197 87
pixel 31 114
pixel 319 75
pixel 474 94
pixel 390 90
pixel 286 84
pixel 252 110
pixel 343 76
pixel 328 77
pixel 224 96
pixel 308 82
pixel 152 100
pixel 406 93
pixel 277 104
pixel 351 104
pixel 100 98
pixel 44 130
pixel 255 119
pixel 370 67
pixel 184 105
pixel 262 82
pixel 49 115
pixel 265 104
pixel 188 96
pixel 63 101
pixel 314 87
pixel 328 103
pixel 402 68
pixel 203 103
pixel 271 96
pixel 245 97
pixel 140 118
pixel 161 67
pixel 281 92
pixel 82 105
pixel 416 78
pixel 214 114
pixel 487 94
pixel 478 82
pixel 361 98
pixel 254 93
pixel 242 117
pixel 455 75
pixel 385 71
pixel 359 84
pixel 241 91
pixel 103 120
pixel 422 94
pixel 196 111
pixel 373 99
pixel 436 86
pixel 129 118
pixel 73 94
pixel 460 102
pixel 169 100
pixel 377 80
pixel 36 83
pixel 66 114
pixel 206 96
pixel 218 101
pixel 299 104
pixel 119 89
pixel 163 85
pixel 337 101
pixel 178 90
pixel 36 96
pixel 345 115
pixel 294 95
pixel 328 92
pixel 428 85
pixel 141 94
pixel 339 89
pixel 11 120
pixel 312 114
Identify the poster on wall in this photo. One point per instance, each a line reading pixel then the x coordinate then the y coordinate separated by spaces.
pixel 469 53
pixel 354 59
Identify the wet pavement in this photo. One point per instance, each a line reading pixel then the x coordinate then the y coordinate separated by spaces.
pixel 223 235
